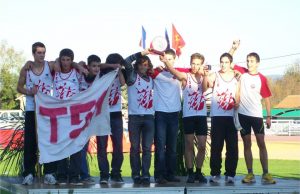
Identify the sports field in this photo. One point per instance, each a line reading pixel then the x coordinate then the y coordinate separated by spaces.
pixel 284 154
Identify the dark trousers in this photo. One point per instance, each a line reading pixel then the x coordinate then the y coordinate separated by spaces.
pixel 222 128
pixel 31 149
pixel 165 141
pixel 116 124
pixel 69 166
pixel 84 169
pixel 141 128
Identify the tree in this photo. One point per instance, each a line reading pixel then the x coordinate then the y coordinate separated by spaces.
pixel 10 65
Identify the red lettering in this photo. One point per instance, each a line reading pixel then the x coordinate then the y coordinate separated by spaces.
pixel 100 102
pixel 53 113
pixel 75 117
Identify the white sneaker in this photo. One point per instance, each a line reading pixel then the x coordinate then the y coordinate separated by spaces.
pixel 215 179
pixel 229 179
pixel 49 179
pixel 28 180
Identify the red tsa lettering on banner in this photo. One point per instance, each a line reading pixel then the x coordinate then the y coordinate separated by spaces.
pixel 53 113
pixel 75 117
pixel 99 103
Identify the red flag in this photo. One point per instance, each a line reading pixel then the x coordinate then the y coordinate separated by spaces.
pixel 177 41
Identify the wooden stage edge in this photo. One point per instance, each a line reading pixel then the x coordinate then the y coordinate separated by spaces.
pixel 13 185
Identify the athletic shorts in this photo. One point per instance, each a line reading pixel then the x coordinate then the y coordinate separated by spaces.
pixel 195 125
pixel 248 122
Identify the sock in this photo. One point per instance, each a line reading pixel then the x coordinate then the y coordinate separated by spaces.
pixel 265 171
pixel 190 171
pixel 198 170
pixel 250 170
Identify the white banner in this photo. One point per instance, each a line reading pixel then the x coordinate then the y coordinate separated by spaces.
pixel 65 126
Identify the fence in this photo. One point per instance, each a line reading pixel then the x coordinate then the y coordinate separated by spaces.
pixel 284 127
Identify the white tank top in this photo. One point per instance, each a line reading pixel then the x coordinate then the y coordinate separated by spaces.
pixel 42 81
pixel 222 101
pixel 83 84
pixel 167 92
pixel 66 85
pixel 114 99
pixel 193 99
pixel 140 97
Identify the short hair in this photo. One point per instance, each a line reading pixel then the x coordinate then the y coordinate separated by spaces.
pixel 197 56
pixel 255 55
pixel 93 58
pixel 36 45
pixel 113 58
pixel 229 56
pixel 141 60
pixel 170 52
pixel 66 53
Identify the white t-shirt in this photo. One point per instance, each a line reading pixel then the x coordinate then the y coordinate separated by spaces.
pixel 223 94
pixel 114 99
pixel 253 89
pixel 193 99
pixel 42 81
pixel 140 97
pixel 167 92
pixel 65 85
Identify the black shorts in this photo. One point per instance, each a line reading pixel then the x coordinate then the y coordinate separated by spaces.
pixel 195 124
pixel 248 122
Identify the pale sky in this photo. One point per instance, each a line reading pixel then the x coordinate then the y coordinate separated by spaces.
pixel 269 27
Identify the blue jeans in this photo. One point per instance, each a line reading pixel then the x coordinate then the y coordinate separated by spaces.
pixel 84 169
pixel 116 124
pixel 140 127
pixel 165 141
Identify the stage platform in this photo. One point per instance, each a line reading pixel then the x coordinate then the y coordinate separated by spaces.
pixel 13 185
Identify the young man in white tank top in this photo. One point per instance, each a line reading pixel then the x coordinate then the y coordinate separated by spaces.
pixel 36 78
pixel 224 85
pixel 194 115
pixel 141 115
pixel 65 85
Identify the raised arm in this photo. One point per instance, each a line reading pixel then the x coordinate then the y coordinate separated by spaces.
pixel 121 77
pixel 179 75
pixel 234 47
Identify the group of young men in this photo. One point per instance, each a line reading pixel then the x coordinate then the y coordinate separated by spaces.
pixel 154 104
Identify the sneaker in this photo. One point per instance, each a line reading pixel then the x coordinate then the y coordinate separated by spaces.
pixel 201 178
pixel 117 178
pixel 49 179
pixel 103 180
pixel 249 178
pixel 137 180
pixel 267 178
pixel 145 181
pixel 62 180
pixel 190 178
pixel 229 179
pixel 215 179
pixel 161 180
pixel 88 181
pixel 76 181
pixel 28 180
pixel 173 179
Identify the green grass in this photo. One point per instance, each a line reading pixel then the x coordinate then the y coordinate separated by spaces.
pixel 278 168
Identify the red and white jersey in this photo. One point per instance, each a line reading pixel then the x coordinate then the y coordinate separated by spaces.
pixel 167 92
pixel 140 97
pixel 114 99
pixel 222 100
pixel 84 84
pixel 42 81
pixel 65 85
pixel 253 89
pixel 193 99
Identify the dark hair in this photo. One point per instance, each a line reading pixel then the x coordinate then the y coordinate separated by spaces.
pixel 228 56
pixel 253 54
pixel 113 58
pixel 36 45
pixel 141 60
pixel 197 56
pixel 170 52
pixel 66 53
pixel 93 58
